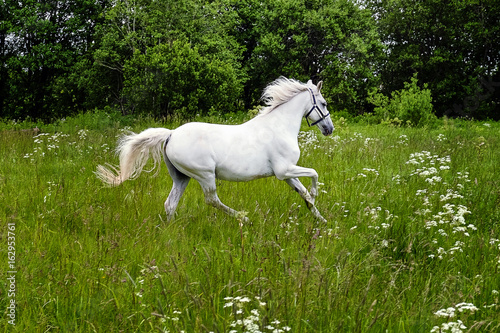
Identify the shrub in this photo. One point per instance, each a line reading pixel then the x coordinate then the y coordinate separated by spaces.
pixel 176 78
pixel 411 105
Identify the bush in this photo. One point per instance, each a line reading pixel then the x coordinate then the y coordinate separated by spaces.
pixel 411 105
pixel 176 78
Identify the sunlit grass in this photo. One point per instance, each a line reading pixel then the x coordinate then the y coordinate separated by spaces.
pixel 393 256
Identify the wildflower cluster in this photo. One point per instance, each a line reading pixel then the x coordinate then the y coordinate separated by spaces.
pixel 251 321
pixel 448 225
pixel 82 134
pixel 368 140
pixel 51 186
pixel 403 140
pixel 379 221
pixel 494 242
pixel 368 171
pixel 451 312
pixel 441 137
pixel 353 138
pixel 453 216
pixel 45 143
pixel 428 163
pixel 308 140
pixel 168 316
pixel 453 327
pixel 460 307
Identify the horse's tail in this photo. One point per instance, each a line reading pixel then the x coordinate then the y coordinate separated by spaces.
pixel 134 150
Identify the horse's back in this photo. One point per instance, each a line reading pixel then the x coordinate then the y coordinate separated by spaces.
pixel 231 152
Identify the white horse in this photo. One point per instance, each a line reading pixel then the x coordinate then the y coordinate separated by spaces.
pixel 264 146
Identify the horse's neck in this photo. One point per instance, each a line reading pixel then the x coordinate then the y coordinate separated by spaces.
pixel 287 117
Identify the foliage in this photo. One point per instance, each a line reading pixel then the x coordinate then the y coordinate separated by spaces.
pixel 176 78
pixel 411 105
pixel 331 40
pixel 41 42
pixel 248 44
pixel 65 57
pixel 170 56
pixel 404 226
pixel 451 44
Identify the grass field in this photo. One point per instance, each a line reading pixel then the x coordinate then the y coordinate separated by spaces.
pixel 412 242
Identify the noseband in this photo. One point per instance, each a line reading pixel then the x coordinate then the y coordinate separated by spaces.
pixel 315 107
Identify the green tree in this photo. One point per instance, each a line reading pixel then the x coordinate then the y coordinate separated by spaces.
pixel 333 40
pixel 5 52
pixel 175 77
pixel 41 42
pixel 155 50
pixel 453 45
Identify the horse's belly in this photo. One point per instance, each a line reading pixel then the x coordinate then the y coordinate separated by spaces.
pixel 242 172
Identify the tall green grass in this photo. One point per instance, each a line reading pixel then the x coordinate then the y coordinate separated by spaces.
pixel 401 251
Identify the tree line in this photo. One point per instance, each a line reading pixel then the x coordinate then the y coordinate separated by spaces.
pixel 188 57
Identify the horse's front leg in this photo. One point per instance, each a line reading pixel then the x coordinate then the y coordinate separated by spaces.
pixel 291 175
pixel 308 198
pixel 301 190
pixel 296 172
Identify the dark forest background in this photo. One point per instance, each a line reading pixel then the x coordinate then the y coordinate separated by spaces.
pixel 187 57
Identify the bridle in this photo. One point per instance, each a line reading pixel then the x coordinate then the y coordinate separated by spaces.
pixel 315 107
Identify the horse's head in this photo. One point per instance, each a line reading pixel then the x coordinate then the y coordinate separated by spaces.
pixel 318 114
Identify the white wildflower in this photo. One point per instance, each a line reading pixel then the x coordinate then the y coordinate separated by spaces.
pixel 433 180
pixel 466 307
pixel 454 327
pixel 421 192
pixel 441 137
pixel 430 224
pixel 374 171
pixel 448 312
pixel 403 139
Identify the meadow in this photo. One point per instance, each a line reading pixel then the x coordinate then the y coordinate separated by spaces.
pixel 412 242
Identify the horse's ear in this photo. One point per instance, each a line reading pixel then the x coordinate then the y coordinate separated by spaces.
pixel 320 84
pixel 309 82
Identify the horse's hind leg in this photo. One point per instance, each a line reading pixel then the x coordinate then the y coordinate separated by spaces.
pixel 211 197
pixel 172 201
pixel 181 181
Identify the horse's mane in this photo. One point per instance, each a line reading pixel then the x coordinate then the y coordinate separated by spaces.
pixel 280 91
